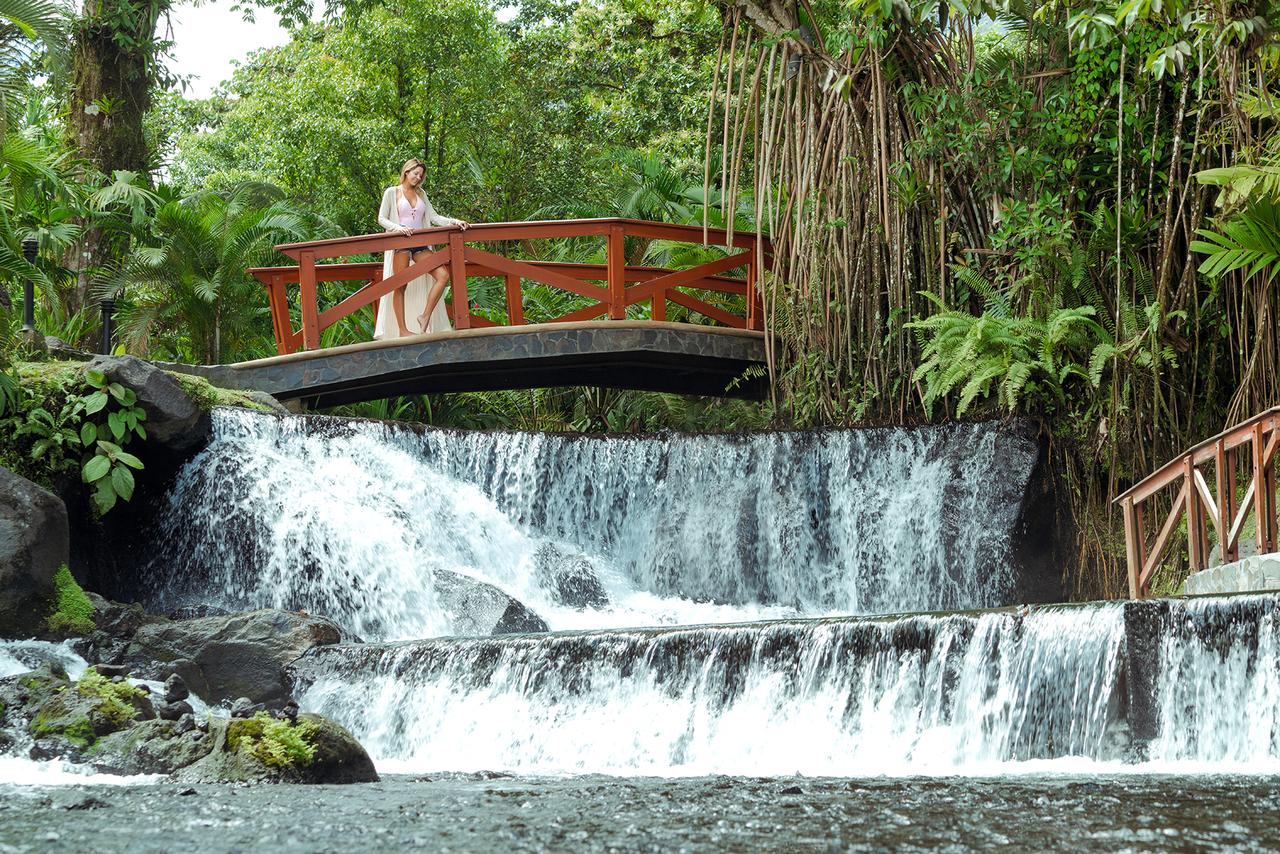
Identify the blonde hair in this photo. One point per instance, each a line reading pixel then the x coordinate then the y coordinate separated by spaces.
pixel 411 164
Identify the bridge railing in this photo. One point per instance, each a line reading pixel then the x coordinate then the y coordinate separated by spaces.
pixel 1243 457
pixel 610 288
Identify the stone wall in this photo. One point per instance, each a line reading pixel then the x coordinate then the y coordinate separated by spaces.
pixel 1259 572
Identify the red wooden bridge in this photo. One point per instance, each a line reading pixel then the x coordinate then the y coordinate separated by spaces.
pixel 1243 463
pixel 616 333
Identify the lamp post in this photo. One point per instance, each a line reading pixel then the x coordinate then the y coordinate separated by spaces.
pixel 29 249
pixel 108 306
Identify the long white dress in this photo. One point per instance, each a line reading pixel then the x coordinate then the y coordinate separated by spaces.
pixel 416 292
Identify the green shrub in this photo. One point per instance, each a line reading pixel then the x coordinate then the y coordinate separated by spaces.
pixel 72 610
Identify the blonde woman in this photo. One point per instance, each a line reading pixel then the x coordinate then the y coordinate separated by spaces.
pixel 406 208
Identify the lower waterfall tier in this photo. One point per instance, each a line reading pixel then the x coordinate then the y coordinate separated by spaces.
pixel 957 693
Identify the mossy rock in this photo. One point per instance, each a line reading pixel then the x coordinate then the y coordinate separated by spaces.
pixel 73 716
pixel 261 749
pixel 151 747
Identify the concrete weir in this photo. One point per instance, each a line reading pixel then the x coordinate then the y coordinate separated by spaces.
pixel 683 358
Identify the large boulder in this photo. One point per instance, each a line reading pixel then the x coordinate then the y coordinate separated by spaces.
pixel 174 420
pixel 476 608
pixel 34 543
pixel 571 579
pixel 233 655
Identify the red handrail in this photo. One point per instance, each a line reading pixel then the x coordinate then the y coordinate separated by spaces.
pixel 1202 505
pixel 623 284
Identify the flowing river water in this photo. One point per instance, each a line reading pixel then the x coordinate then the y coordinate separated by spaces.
pixel 749 680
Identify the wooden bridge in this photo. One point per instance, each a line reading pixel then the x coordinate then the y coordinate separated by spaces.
pixel 1243 462
pixel 696 330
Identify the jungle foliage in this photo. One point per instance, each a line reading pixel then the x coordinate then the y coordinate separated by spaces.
pixel 1068 210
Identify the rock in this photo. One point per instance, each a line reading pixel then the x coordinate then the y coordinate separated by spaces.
pixel 172 711
pixel 117 620
pixel 243 708
pixel 339 758
pixel 240 755
pixel 34 543
pixel 477 608
pixel 186 723
pixel 174 421
pixel 112 671
pixel 237 655
pixel 192 612
pixel 175 689
pixel 61 350
pixel 571 578
pixel 261 397
pixel 289 712
pixel 151 747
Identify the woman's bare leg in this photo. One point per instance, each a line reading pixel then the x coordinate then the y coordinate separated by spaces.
pixel 399 262
pixel 439 278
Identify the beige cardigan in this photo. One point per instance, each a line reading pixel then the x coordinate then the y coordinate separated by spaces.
pixel 389 217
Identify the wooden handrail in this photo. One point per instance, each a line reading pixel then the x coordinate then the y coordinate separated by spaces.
pixel 1201 504
pixel 621 285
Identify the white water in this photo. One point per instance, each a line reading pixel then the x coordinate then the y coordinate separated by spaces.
pixel 1219 685
pixel 978 694
pixel 348 519
pixel 850 698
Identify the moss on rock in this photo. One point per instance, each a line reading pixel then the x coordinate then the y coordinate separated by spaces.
pixel 72 614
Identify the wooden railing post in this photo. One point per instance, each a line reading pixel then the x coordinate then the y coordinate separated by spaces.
pixel 515 305
pixel 1230 503
pixel 310 306
pixel 755 306
pixel 1195 520
pixel 616 273
pixel 1260 524
pixel 1223 509
pixel 458 272
pixel 1131 537
pixel 279 312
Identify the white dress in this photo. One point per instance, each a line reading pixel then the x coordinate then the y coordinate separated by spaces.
pixel 416 292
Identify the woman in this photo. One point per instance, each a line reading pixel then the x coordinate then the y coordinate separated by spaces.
pixel 404 209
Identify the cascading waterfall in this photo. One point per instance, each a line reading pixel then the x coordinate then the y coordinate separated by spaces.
pixel 349 518
pixel 1218 691
pixel 833 697
pixel 957 693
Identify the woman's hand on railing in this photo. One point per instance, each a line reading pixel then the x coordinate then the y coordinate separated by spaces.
pixel 406 230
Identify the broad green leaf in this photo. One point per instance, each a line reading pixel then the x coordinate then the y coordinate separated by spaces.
pixel 95 469
pixel 129 460
pixel 88 433
pixel 95 402
pixel 122 480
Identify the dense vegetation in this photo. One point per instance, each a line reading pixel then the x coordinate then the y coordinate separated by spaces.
pixel 1069 210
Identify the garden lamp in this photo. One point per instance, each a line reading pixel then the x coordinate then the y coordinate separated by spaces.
pixel 108 306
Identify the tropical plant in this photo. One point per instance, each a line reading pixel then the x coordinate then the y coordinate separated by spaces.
pixel 188 296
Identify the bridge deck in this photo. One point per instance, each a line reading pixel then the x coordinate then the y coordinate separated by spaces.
pixel 654 356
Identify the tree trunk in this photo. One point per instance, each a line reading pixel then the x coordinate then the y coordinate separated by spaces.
pixel 113 70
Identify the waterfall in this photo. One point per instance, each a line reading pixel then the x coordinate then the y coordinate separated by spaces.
pixel 1218 688
pixel 825 697
pixel 956 693
pixel 350 519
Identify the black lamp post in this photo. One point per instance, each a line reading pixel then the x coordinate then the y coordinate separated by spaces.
pixel 29 249
pixel 108 306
